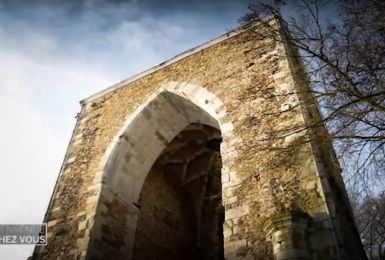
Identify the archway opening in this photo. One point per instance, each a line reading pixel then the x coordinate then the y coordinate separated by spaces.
pixel 181 212
pixel 160 194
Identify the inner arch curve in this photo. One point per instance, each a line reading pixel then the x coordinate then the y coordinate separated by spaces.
pixel 147 140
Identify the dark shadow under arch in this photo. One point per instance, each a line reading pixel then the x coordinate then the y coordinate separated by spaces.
pixel 181 212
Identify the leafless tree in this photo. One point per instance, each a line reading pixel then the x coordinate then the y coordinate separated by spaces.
pixel 342 46
pixel 370 216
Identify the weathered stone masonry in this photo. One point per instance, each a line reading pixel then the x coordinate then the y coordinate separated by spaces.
pixel 143 164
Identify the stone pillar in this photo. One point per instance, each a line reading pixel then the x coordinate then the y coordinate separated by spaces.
pixel 288 234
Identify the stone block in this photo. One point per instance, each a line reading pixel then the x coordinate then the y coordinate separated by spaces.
pixel 237 212
pixel 233 246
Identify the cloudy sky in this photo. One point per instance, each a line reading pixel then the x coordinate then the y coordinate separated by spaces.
pixel 55 53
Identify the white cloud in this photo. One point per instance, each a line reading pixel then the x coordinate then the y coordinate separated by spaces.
pixel 10 78
pixel 31 154
pixel 38 101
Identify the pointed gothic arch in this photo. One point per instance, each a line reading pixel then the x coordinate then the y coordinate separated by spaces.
pixel 145 140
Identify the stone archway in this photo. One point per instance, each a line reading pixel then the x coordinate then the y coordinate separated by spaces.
pixel 122 131
pixel 149 137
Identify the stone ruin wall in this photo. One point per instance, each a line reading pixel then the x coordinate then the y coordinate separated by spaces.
pixel 243 73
